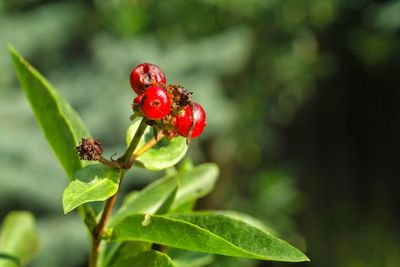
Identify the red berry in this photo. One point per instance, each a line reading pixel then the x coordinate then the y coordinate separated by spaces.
pixel 137 103
pixel 138 99
pixel 145 75
pixel 184 120
pixel 156 103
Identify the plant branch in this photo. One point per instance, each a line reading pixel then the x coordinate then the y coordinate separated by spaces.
pixel 99 229
pixel 94 254
pixel 107 209
pixel 123 163
pixel 110 163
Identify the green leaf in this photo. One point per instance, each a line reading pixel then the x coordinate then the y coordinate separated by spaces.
pixel 148 258
pixel 149 200
pixel 114 252
pixel 92 183
pixel 19 238
pixel 246 218
pixel 185 165
pixel 184 258
pixel 206 232
pixel 192 185
pixel 195 183
pixel 166 205
pixel 60 123
pixel 185 207
pixel 164 154
pixel 7 260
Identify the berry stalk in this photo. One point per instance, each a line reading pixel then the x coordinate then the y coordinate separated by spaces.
pixel 125 159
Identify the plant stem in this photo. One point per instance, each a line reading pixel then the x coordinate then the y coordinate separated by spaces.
pixel 132 146
pixel 94 254
pixel 107 209
pixel 110 163
pixel 98 230
pixel 124 163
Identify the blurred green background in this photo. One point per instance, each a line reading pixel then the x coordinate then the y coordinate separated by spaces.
pixel 302 98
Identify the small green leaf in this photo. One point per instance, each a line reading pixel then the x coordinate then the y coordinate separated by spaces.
pixel 19 239
pixel 60 123
pixel 184 258
pixel 206 232
pixel 192 184
pixel 92 183
pixel 164 154
pixel 148 258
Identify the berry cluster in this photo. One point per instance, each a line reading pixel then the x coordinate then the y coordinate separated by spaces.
pixel 166 107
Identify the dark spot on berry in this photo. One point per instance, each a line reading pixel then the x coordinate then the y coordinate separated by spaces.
pixel 156 103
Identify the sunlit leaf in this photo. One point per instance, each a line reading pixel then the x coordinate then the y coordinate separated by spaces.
pixel 246 218
pixel 206 232
pixel 92 183
pixel 60 123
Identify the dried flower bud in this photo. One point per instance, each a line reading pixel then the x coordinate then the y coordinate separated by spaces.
pixel 89 149
pixel 180 95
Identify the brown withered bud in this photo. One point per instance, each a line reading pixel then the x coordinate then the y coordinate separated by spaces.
pixel 180 95
pixel 186 98
pixel 89 149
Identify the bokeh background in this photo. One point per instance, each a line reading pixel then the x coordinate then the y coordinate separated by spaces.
pixel 302 98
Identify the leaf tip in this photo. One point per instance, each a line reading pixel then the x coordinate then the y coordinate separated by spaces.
pixel 66 207
pixel 66 210
pixel 11 48
pixel 301 256
pixel 13 52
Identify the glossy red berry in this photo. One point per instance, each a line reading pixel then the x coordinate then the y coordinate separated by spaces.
pixel 156 103
pixel 145 75
pixel 184 120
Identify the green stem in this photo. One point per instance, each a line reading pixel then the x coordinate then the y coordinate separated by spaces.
pixel 124 159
